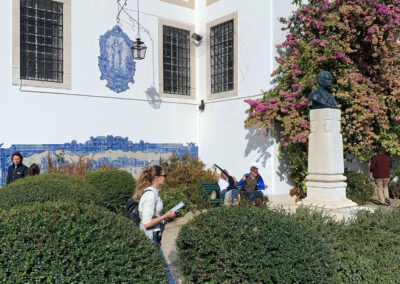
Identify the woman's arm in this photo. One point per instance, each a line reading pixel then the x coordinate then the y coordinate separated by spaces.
pixel 215 175
pixel 155 221
pixel 149 204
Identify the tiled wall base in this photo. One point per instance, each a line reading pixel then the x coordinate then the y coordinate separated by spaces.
pixel 116 151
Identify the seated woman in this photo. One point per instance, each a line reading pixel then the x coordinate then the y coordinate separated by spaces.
pixel 226 183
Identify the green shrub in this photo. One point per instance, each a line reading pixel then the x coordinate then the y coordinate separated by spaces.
pixel 360 187
pixel 186 175
pixel 173 195
pixel 247 244
pixel 42 188
pixel 394 185
pixel 62 242
pixel 366 248
pixel 113 188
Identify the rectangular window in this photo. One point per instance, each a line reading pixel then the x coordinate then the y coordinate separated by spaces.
pixel 176 61
pixel 41 40
pixel 222 57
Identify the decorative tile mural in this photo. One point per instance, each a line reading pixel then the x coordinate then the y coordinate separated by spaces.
pixel 116 62
pixel 110 150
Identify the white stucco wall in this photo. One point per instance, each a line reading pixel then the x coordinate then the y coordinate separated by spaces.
pixel 223 138
pixel 59 116
pixel 35 118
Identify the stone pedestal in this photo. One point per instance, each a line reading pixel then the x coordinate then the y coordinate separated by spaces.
pixel 326 186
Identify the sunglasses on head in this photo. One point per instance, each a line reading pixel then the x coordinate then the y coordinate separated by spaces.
pixel 164 175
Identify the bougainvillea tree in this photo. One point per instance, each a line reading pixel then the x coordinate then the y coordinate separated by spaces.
pixel 358 41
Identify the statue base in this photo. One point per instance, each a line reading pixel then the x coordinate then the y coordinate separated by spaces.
pixel 327 194
pixel 326 184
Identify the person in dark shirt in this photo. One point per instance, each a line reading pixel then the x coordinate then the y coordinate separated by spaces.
pixel 380 168
pixel 17 169
pixel 33 170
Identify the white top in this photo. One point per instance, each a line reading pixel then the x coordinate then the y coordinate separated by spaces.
pixel 223 184
pixel 150 206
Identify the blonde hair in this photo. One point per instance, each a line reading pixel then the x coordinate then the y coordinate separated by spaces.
pixel 222 175
pixel 145 180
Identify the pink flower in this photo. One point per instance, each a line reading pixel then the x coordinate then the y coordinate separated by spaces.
pixel 284 142
pixel 304 124
pixel 302 137
pixel 297 71
pixel 261 107
pixel 251 102
pixel 340 55
pixel 294 87
pixel 322 58
pixel 397 119
pixel 325 42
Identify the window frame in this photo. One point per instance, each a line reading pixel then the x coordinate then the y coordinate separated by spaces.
pixel 192 54
pixel 187 4
pixel 16 51
pixel 230 93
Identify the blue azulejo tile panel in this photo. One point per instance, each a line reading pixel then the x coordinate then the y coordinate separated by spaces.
pixel 116 62
pixel 110 150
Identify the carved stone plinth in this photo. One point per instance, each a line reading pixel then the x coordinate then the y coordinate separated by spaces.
pixel 326 186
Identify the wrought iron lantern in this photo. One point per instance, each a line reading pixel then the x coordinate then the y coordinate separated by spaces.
pixel 138 49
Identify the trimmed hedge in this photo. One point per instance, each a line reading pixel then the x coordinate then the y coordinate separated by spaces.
pixel 113 188
pixel 366 248
pixel 247 244
pixel 360 187
pixel 42 188
pixel 173 195
pixel 64 242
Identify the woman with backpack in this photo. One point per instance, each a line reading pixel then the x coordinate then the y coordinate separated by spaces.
pixel 151 205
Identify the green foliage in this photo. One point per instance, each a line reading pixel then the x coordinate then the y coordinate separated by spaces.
pixel 367 248
pixel 173 195
pixel 360 187
pixel 63 242
pixel 394 185
pixel 247 244
pixel 45 187
pixel 113 188
pixel 184 178
pixel 357 41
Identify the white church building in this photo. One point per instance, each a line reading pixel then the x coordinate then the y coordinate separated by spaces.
pixel 69 82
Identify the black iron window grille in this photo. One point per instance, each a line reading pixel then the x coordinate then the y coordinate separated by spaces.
pixel 176 61
pixel 41 40
pixel 221 51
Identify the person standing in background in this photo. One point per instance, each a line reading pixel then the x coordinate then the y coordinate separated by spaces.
pixel 17 169
pixel 380 168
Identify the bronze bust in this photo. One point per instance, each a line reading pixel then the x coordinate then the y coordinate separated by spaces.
pixel 322 97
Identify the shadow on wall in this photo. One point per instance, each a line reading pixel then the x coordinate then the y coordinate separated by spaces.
pixel 153 98
pixel 259 144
